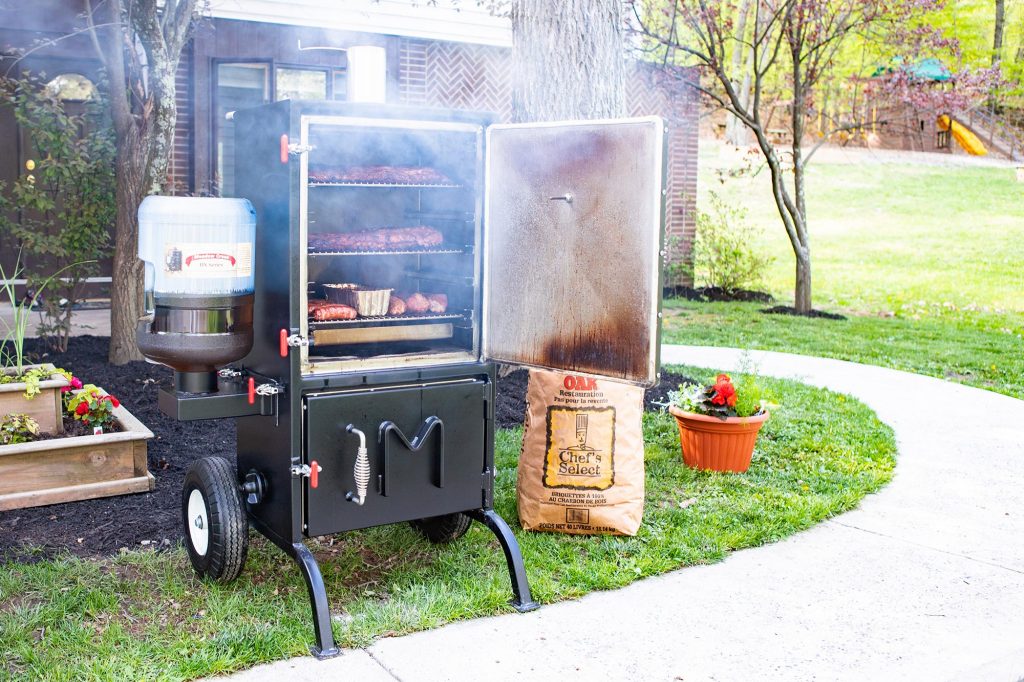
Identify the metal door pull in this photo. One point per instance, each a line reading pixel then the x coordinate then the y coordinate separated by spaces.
pixel 361 471
pixel 429 425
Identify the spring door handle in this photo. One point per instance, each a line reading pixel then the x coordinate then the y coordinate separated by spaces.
pixel 361 470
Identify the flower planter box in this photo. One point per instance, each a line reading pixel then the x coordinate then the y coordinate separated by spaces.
pixel 77 468
pixel 45 407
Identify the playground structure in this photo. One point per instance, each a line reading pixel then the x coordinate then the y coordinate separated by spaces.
pixel 967 140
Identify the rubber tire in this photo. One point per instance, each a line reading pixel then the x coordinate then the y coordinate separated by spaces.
pixel 444 528
pixel 214 478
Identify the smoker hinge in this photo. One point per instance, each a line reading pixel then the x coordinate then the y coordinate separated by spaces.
pixel 487 488
pixel 297 340
pixel 295 148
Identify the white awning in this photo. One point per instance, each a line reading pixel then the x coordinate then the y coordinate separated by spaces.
pixel 460 21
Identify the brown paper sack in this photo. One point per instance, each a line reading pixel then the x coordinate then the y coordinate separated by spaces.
pixel 581 469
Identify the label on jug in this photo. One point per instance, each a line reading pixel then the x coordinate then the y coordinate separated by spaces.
pixel 208 260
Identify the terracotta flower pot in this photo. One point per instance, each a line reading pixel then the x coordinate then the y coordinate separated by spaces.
pixel 713 444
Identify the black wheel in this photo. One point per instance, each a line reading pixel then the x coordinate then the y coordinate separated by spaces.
pixel 444 528
pixel 216 528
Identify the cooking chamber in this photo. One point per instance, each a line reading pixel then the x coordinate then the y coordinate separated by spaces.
pixel 392 229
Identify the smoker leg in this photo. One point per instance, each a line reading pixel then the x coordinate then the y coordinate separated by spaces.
pixel 522 600
pixel 325 647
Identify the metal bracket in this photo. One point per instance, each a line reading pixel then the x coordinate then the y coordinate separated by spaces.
pixel 296 148
pixel 297 341
pixel 269 389
pixel 415 445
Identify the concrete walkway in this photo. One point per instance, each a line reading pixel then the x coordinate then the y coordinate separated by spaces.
pixel 925 581
pixel 94 321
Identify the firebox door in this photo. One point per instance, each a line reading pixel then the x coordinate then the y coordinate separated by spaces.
pixel 426 448
pixel 573 246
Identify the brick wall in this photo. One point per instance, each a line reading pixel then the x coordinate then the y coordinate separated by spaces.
pixel 179 173
pixel 460 76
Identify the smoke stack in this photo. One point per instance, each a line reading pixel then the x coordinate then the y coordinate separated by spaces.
pixel 367 74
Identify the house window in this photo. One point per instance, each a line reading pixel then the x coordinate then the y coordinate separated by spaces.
pixel 340 83
pixel 294 83
pixel 71 87
pixel 239 86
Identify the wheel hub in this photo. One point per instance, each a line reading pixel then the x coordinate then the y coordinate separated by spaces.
pixel 198 530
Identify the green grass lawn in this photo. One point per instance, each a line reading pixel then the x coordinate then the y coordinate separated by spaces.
pixel 927 262
pixel 908 239
pixel 965 350
pixel 144 615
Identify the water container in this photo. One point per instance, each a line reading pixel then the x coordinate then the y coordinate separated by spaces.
pixel 198 257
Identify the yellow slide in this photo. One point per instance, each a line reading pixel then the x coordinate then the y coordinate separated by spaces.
pixel 964 137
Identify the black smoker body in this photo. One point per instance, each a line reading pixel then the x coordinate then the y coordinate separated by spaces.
pixel 347 424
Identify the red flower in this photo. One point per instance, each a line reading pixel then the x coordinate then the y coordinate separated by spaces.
pixel 82 408
pixel 725 392
pixel 114 401
pixel 76 383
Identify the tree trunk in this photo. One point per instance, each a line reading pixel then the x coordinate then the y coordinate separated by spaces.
pixel 736 132
pixel 1000 28
pixel 126 278
pixel 802 291
pixel 567 59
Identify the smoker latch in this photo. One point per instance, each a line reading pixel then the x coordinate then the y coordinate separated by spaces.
pixel 291 341
pixel 311 471
pixel 295 148
pixel 361 471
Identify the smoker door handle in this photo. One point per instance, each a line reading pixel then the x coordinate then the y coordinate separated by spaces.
pixel 429 425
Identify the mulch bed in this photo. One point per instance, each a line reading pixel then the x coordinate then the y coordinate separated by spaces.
pixel 716 294
pixel 790 310
pixel 102 527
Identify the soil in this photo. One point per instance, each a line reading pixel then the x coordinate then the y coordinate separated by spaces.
pixel 790 310
pixel 73 428
pixel 102 527
pixel 717 294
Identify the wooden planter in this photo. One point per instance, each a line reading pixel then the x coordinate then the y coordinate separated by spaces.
pixel 45 407
pixel 714 444
pixel 78 468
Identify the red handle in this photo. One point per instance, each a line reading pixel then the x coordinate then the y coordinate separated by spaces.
pixel 284 148
pixel 252 391
pixel 314 470
pixel 284 343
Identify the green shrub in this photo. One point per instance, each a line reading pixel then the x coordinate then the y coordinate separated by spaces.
pixel 18 428
pixel 723 252
pixel 60 209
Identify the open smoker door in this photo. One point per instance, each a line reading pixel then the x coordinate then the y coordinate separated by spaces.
pixel 574 214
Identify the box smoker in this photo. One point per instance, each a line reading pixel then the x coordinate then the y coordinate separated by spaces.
pixel 349 307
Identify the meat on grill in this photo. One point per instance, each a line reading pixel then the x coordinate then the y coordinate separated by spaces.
pixel 438 303
pixel 395 175
pixel 381 239
pixel 396 306
pixel 417 303
pixel 324 311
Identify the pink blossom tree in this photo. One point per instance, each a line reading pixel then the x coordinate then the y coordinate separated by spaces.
pixel 785 52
